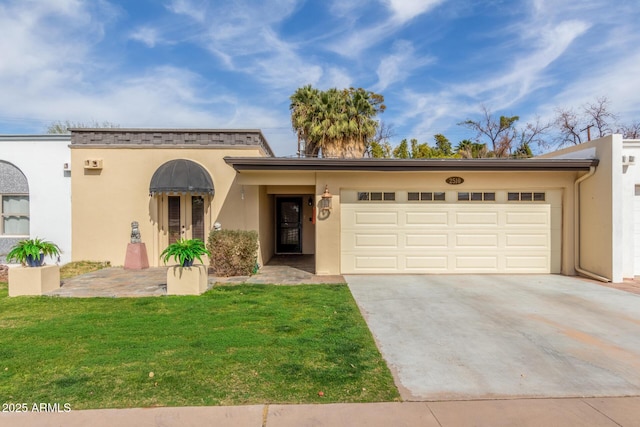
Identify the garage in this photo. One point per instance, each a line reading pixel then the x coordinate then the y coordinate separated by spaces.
pixel 450 231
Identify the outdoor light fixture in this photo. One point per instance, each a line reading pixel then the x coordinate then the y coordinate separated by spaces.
pixel 325 204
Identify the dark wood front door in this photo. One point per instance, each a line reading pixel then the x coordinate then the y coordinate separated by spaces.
pixel 179 225
pixel 289 225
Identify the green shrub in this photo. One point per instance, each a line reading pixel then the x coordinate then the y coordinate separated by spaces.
pixel 233 252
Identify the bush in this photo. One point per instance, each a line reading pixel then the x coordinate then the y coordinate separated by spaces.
pixel 233 252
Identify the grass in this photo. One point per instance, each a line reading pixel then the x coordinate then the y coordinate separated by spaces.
pixel 235 345
pixel 76 268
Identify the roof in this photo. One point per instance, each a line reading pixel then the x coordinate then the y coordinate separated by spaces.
pixel 153 138
pixel 39 137
pixel 181 176
pixel 407 165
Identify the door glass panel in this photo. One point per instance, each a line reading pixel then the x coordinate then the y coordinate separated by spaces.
pixel 289 225
pixel 197 218
pixel 174 219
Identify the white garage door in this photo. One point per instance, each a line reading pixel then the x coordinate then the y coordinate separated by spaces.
pixel 458 237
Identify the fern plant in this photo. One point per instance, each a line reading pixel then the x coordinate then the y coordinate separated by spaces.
pixel 32 251
pixel 185 251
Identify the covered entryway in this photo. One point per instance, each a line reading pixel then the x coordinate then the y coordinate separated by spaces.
pixel 183 191
pixel 446 232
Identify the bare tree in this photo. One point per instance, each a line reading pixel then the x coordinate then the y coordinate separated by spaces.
pixel 60 127
pixel 575 127
pixel 630 131
pixel 600 116
pixel 500 132
pixel 379 146
pixel 533 134
pixel 569 125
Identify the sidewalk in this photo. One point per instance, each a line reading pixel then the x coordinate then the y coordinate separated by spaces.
pixel 610 411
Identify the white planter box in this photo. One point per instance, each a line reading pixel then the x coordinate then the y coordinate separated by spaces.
pixel 187 280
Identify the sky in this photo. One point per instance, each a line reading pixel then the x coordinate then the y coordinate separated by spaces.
pixel 234 64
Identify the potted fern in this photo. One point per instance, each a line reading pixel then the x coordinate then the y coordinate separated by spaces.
pixel 185 251
pixel 33 278
pixel 186 278
pixel 31 252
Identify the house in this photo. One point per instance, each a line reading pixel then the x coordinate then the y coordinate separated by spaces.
pixel 35 188
pixel 573 211
pixel 174 183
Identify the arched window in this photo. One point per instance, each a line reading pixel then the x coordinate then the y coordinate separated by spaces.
pixel 14 201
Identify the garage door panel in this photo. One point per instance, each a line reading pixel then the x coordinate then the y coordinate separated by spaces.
pixel 376 218
pixel 518 263
pixel 426 263
pixel 423 241
pixel 527 218
pixel 484 240
pixel 376 241
pixel 476 263
pixel 476 218
pixel 446 238
pixel 427 218
pixel 529 240
pixel 376 262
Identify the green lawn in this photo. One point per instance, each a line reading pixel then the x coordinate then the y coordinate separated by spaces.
pixel 234 345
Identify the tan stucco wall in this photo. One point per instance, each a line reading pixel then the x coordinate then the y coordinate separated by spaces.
pixel 267 225
pixel 601 221
pixel 105 201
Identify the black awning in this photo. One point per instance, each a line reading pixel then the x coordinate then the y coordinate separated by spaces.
pixel 181 176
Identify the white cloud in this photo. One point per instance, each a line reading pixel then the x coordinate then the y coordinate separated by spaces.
pixel 528 70
pixel 406 10
pixel 192 9
pixel 399 65
pixel 360 38
pixel 336 77
pixel 146 35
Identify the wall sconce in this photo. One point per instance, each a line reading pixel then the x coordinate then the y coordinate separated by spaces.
pixel 325 203
pixel 310 201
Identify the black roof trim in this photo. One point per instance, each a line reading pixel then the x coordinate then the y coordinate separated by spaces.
pixel 406 165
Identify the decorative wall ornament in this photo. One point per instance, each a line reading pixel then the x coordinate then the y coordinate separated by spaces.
pixel 454 180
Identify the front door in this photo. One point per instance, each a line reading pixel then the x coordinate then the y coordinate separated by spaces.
pixel 289 225
pixel 185 217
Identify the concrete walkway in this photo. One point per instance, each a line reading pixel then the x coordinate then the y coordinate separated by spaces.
pixel 605 412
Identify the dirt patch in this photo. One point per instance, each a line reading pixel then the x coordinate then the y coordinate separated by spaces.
pixel 4 273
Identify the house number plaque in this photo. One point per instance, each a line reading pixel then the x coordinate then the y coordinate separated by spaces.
pixel 454 180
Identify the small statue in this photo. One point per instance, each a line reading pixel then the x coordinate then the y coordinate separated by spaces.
pixel 135 233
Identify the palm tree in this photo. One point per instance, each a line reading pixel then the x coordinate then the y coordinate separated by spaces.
pixel 472 150
pixel 336 123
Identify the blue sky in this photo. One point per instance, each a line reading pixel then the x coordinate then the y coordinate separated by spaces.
pixel 234 64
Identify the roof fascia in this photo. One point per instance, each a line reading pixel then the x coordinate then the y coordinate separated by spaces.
pixel 402 165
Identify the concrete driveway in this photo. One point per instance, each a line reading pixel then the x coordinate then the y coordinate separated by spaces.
pixel 475 337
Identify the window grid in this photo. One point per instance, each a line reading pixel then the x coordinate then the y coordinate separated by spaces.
pixel 426 196
pixel 476 196
pixel 376 196
pixel 14 215
pixel 526 196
